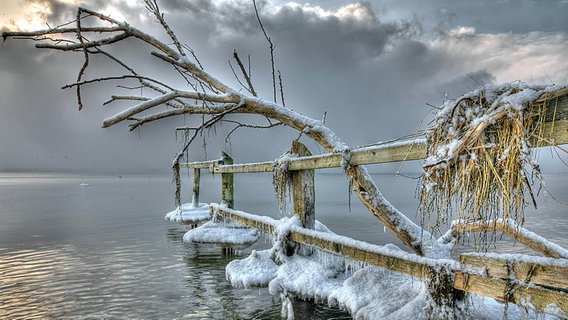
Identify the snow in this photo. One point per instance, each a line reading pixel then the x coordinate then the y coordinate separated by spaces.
pixel 504 97
pixel 524 258
pixel 226 234
pixel 523 233
pixel 257 270
pixel 375 293
pixel 188 213
pixel 367 292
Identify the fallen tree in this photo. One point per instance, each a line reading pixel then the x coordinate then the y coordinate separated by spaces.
pixel 92 32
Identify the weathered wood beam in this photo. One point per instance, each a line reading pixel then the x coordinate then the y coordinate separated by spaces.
pixel 516 232
pixel 528 295
pixel 399 261
pixel 199 164
pixel 555 132
pixel 549 272
pixel 388 152
pixel 556 119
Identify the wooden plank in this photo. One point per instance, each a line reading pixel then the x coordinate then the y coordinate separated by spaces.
pixel 531 296
pixel 256 167
pixel 554 274
pixel 393 152
pixel 556 130
pixel 556 105
pixel 318 239
pixel 199 164
pixel 556 120
pixel 265 224
pixel 397 264
pixel 518 233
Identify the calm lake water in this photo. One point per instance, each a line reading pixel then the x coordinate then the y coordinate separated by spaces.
pixel 105 252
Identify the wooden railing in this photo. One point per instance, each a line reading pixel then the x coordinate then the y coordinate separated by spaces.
pixel 540 284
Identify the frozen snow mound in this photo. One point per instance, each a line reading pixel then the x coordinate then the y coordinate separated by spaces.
pixel 224 234
pixel 367 292
pixel 187 213
pixel 257 270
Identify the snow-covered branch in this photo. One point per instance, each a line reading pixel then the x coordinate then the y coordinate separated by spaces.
pixel 213 97
pixel 125 114
pixel 512 229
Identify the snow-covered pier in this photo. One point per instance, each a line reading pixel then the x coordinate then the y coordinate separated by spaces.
pixel 420 283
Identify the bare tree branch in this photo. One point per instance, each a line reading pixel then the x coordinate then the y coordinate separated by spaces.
pixel 220 109
pixel 212 97
pixel 250 126
pixel 271 47
pixel 245 74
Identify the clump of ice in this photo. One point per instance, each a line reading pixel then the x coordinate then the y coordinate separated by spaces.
pixel 367 292
pixel 455 117
pixel 189 213
pixel 257 270
pixel 226 234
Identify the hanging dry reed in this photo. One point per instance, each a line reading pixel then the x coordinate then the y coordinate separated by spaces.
pixel 480 162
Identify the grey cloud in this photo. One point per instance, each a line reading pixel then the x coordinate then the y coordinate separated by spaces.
pixel 373 77
pixel 329 38
pixel 466 82
pixel 487 16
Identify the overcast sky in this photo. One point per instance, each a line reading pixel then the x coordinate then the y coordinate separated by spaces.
pixel 371 66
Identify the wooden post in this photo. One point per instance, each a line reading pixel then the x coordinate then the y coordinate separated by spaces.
pixel 303 189
pixel 227 195
pixel 196 177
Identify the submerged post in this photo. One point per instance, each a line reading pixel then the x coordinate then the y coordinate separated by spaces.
pixel 196 178
pixel 227 192
pixel 303 189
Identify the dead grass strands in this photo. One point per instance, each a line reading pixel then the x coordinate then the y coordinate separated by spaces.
pixel 480 165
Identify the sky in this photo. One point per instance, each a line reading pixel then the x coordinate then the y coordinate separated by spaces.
pixel 372 68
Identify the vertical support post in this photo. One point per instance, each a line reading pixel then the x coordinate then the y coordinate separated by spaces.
pixel 227 192
pixel 196 178
pixel 303 189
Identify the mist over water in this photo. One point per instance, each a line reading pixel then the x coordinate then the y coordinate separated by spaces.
pixel 104 251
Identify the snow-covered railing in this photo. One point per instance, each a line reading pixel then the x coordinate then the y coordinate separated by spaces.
pixel 537 283
pixel 555 133
pixel 381 153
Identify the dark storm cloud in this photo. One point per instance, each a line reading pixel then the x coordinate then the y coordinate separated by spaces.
pixel 370 70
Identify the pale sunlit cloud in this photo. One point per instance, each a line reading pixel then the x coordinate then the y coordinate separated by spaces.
pixel 29 15
pixel 17 15
pixel 360 12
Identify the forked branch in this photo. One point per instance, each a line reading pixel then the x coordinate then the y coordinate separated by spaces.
pixel 214 99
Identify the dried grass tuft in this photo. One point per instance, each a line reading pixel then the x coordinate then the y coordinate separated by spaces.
pixel 480 165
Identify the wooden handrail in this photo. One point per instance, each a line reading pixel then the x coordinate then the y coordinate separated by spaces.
pixel 474 277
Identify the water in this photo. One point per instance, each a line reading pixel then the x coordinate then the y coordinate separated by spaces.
pixel 105 252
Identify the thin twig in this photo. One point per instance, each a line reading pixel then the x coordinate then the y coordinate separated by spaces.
pixel 271 46
pixel 245 74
